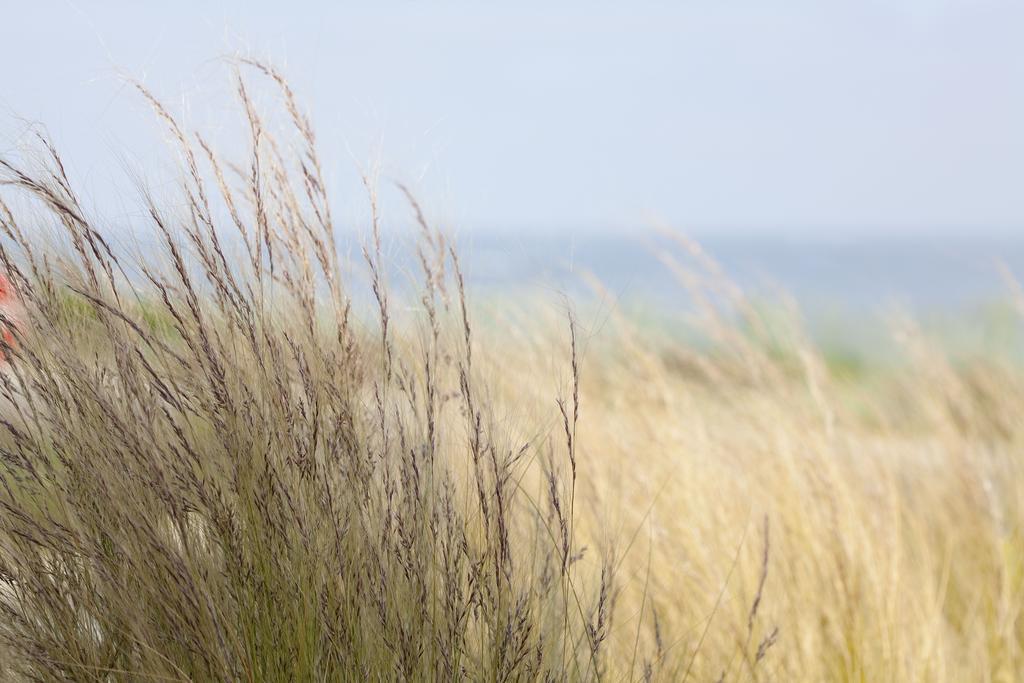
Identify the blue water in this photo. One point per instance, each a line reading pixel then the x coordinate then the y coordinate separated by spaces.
pixel 941 275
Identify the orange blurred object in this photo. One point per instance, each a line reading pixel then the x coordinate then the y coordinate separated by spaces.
pixel 9 307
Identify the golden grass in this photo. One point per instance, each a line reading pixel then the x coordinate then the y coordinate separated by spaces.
pixel 224 469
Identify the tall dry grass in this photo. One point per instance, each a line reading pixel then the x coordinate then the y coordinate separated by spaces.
pixel 216 466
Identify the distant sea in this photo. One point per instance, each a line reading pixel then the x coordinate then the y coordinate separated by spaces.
pixel 922 275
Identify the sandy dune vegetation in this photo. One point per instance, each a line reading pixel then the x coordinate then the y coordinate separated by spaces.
pixel 218 465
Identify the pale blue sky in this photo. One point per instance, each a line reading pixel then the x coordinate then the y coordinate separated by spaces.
pixel 835 117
